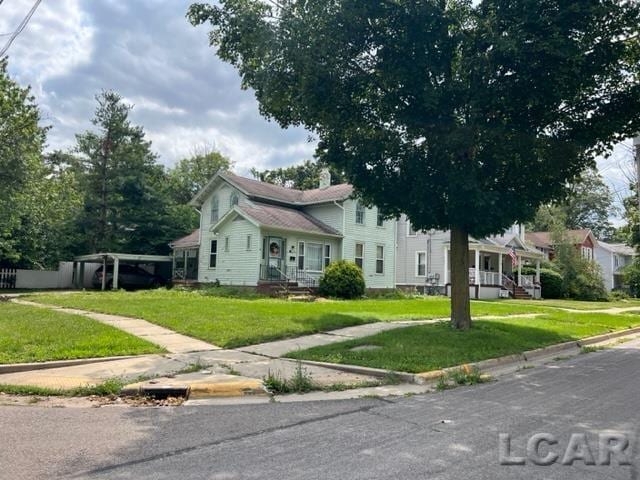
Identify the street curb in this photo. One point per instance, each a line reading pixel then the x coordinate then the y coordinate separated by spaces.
pixel 507 360
pixel 27 367
pixel 194 390
pixel 358 370
pixel 608 336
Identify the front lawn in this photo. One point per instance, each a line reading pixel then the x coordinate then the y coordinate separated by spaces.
pixel 430 347
pixel 31 334
pixel 232 322
pixel 578 304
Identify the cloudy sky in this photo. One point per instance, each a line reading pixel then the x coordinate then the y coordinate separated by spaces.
pixel 183 95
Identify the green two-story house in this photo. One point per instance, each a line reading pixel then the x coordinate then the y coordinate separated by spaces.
pixel 254 233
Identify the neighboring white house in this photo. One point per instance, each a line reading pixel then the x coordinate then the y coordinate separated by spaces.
pixel 254 233
pixel 612 258
pixel 423 263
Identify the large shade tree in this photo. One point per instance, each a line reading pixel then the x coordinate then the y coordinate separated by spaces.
pixel 463 115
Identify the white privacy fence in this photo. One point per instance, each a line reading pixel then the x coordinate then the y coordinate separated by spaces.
pixel 44 279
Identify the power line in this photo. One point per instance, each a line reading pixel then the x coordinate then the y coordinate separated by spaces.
pixel 21 27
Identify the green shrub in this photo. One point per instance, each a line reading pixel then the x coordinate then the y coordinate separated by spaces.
pixel 632 278
pixel 342 279
pixel 617 295
pixel 551 281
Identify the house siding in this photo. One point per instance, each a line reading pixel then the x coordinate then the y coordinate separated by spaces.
pixel 238 266
pixel 371 236
pixel 604 258
pixel 329 214
pixel 407 248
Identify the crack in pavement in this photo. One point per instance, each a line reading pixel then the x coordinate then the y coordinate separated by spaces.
pixel 193 448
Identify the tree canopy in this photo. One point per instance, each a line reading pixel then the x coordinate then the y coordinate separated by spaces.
pixel 587 204
pixel 462 115
pixel 305 176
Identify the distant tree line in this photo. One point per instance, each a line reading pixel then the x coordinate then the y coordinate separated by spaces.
pixel 108 193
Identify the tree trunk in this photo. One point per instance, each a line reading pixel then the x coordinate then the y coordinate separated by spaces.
pixel 460 304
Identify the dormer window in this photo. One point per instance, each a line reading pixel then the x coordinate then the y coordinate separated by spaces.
pixel 234 199
pixel 215 211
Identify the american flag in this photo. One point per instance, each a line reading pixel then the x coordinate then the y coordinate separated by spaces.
pixel 514 258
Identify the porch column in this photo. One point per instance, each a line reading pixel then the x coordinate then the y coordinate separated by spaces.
pixel 104 273
pixel 519 270
pixel 81 276
pixel 74 275
pixel 500 268
pixel 116 268
pixel 173 264
pixel 477 267
pixel 537 271
pixel 446 266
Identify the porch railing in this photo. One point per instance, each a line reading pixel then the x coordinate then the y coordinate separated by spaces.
pixel 528 281
pixel 271 273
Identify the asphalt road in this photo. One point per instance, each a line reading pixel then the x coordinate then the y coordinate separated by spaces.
pixel 448 435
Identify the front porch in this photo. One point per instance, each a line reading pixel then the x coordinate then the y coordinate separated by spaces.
pixel 493 273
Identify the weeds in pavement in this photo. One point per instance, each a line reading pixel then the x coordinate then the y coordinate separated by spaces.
pixel 463 376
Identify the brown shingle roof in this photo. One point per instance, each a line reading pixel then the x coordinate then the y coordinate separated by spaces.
pixel 544 240
pixel 191 240
pixel 285 218
pixel 256 188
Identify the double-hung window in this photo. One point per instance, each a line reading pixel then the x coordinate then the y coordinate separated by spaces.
pixel 213 254
pixel 380 259
pixel 313 257
pixel 411 232
pixel 421 264
pixel 359 255
pixel 215 211
pixel 327 255
pixel 234 199
pixel 380 219
pixel 359 213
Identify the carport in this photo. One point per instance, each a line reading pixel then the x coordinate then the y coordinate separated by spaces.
pixel 115 259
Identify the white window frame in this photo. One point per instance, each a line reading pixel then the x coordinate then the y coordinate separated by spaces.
pixel 356 257
pixel 379 219
pixel 234 199
pixel 326 255
pixel 418 253
pixel 306 256
pixel 360 213
pixel 380 259
pixel 409 234
pixel 215 207
pixel 249 243
pixel 213 254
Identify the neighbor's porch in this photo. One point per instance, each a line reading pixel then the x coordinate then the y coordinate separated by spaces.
pixel 492 273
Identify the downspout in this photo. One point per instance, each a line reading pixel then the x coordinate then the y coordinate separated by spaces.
pixel 199 244
pixel 344 224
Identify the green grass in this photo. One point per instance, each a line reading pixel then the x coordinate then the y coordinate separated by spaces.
pixel 430 347
pixel 109 387
pixel 32 334
pixel 578 304
pixel 233 322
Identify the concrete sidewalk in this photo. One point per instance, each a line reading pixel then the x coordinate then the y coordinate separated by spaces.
pixel 168 339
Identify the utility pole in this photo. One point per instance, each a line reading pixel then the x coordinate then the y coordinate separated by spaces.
pixel 636 145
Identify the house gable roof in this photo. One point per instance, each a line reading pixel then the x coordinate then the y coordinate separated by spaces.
pixel 191 240
pixel 281 218
pixel 544 240
pixel 275 193
pixel 618 248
